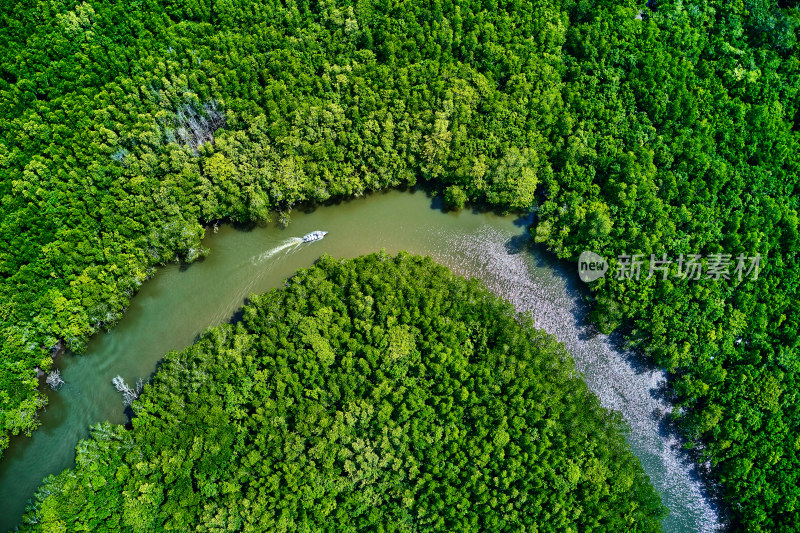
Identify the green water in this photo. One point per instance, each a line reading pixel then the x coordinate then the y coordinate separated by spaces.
pixel 179 302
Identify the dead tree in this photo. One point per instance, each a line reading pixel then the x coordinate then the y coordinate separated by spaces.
pixel 128 394
pixel 54 379
pixel 193 127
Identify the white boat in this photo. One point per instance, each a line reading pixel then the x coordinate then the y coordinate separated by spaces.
pixel 314 236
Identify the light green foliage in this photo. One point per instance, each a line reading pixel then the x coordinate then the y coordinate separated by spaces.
pixel 105 173
pixel 675 133
pixel 445 411
pixel 681 135
pixel 455 197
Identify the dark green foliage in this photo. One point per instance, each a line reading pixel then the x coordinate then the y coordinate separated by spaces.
pixel 105 177
pixel 677 133
pixel 682 138
pixel 377 394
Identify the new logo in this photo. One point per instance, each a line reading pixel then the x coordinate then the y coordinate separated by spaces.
pixel 591 266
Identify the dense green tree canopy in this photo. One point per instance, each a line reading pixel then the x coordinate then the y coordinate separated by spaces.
pixel 126 125
pixel 376 394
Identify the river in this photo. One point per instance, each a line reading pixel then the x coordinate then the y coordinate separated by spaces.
pixel 179 302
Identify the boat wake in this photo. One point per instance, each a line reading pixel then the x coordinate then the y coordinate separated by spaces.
pixel 288 243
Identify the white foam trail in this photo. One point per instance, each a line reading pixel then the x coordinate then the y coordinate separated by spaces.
pixel 288 243
pixel 288 246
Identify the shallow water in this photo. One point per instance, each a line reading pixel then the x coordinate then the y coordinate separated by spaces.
pixel 179 302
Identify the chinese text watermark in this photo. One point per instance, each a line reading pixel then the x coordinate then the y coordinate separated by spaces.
pixel 592 266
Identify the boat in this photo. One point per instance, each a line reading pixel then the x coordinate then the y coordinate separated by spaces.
pixel 314 236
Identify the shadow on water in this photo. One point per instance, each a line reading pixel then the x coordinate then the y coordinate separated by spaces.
pixel 578 291
pixel 499 250
pixel 437 203
pixel 308 207
pixel 525 221
pixel 620 340
pixel 242 226
pixel 524 217
pixel 523 242
pixel 634 362
pixel 238 316
pixel 184 265
pixel 518 244
pixel 699 470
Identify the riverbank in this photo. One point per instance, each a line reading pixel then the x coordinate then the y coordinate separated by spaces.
pixel 179 302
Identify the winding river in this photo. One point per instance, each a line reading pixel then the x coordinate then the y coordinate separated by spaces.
pixel 179 302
